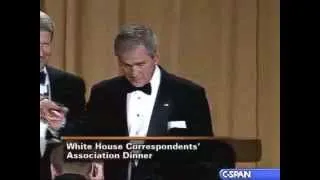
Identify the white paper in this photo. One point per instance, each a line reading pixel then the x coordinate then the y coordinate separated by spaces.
pixel 177 124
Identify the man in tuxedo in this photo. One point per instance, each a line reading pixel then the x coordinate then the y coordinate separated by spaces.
pixel 145 100
pixel 59 91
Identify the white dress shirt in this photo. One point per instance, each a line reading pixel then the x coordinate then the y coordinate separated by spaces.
pixel 140 107
pixel 139 111
pixel 45 91
pixel 45 88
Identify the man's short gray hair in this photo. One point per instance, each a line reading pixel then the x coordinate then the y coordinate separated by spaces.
pixel 133 35
pixel 46 23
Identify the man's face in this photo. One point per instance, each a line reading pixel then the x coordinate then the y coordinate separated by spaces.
pixel 45 47
pixel 137 66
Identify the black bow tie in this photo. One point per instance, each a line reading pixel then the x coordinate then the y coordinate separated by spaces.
pixel 42 77
pixel 146 89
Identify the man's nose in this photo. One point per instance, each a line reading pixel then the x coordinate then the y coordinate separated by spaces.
pixel 41 52
pixel 134 71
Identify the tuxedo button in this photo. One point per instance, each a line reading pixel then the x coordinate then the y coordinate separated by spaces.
pixel 139 98
pixel 138 115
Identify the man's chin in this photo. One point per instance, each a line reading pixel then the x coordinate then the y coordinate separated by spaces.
pixel 135 84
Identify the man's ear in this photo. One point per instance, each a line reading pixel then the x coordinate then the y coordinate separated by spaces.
pixel 120 71
pixel 156 58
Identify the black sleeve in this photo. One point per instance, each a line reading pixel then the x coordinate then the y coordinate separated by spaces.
pixel 199 112
pixel 95 111
pixel 75 101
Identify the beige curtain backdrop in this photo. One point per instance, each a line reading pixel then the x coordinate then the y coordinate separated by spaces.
pixel 231 47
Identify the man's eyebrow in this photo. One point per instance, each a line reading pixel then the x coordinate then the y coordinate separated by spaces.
pixel 137 63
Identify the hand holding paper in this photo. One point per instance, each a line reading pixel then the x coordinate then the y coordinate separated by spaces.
pixel 53 113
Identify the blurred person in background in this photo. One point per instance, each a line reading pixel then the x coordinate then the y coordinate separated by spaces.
pixel 62 103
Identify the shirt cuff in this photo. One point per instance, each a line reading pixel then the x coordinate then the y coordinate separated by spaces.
pixel 55 132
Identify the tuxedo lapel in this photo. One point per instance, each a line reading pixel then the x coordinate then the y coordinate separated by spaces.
pixel 123 110
pixel 53 79
pixel 161 109
pixel 59 85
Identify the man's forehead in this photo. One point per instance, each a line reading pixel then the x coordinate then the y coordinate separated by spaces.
pixel 133 60
pixel 45 33
pixel 45 36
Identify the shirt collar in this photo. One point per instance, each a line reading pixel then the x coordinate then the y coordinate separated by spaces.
pixel 44 69
pixel 155 80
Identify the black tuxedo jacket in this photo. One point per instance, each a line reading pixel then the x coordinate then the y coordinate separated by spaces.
pixel 69 90
pixel 177 100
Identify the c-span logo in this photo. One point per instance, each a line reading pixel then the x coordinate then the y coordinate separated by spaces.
pixel 250 174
